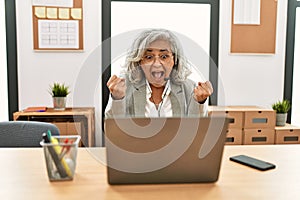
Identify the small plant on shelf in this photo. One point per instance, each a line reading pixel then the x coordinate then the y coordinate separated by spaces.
pixel 59 90
pixel 282 106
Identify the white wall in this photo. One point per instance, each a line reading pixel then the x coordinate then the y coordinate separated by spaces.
pixel 251 79
pixel 37 70
pixel 3 64
pixel 194 39
pixel 296 73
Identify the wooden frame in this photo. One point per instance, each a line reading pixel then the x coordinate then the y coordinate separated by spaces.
pixel 77 4
pixel 253 39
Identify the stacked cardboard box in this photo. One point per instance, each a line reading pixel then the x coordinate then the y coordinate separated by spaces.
pixel 249 124
pixel 234 131
pixel 288 134
pixel 259 126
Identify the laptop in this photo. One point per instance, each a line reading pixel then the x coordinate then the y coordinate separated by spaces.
pixel 164 150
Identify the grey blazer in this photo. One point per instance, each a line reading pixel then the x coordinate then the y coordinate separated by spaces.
pixel 134 103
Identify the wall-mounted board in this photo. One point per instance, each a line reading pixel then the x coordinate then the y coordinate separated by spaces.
pixel 57 25
pixel 256 38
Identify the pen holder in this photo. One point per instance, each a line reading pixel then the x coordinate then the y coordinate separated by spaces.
pixel 60 157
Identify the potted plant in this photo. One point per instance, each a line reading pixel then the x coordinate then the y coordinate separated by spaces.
pixel 281 108
pixel 59 94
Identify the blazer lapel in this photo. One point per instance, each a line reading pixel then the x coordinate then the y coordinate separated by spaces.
pixel 177 100
pixel 139 96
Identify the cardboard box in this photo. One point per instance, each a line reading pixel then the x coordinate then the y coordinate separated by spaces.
pixel 74 128
pixel 287 134
pixel 234 137
pixel 259 118
pixel 236 115
pixel 62 126
pixel 69 128
pixel 258 136
pixel 246 116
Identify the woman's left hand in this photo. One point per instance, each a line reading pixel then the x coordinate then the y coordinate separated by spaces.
pixel 202 91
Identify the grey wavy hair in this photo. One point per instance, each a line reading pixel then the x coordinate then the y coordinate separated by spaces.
pixel 181 67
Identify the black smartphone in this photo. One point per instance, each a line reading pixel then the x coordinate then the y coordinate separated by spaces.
pixel 252 162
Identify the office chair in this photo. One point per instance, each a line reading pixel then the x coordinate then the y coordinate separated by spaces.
pixel 24 133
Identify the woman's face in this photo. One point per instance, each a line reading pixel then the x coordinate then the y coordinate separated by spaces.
pixel 157 62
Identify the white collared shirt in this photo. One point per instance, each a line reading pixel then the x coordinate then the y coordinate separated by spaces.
pixel 164 108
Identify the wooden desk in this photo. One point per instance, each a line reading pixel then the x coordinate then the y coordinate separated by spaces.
pixel 23 176
pixel 71 120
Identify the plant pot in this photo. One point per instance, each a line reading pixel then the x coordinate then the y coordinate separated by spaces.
pixel 281 119
pixel 59 103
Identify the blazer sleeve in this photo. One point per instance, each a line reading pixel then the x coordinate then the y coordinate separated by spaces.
pixel 115 108
pixel 194 108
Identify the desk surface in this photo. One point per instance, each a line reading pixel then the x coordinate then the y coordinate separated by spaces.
pixel 23 176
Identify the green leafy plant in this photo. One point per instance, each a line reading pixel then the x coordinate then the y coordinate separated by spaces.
pixel 59 90
pixel 282 106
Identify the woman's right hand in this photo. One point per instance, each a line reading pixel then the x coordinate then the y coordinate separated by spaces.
pixel 117 87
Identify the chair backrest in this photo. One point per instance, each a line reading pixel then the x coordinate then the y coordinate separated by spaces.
pixel 24 133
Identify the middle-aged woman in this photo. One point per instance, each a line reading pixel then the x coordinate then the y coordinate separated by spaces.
pixel 155 82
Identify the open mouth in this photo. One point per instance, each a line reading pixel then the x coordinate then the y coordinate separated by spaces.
pixel 158 74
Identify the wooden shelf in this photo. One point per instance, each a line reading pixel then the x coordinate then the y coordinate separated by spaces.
pixel 79 121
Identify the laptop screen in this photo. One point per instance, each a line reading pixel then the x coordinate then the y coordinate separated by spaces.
pixel 164 150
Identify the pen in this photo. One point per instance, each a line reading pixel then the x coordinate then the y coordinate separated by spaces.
pixel 57 150
pixel 65 149
pixel 62 172
pixel 49 135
